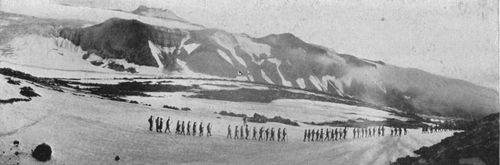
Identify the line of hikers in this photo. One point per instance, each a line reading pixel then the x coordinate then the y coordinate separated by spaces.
pixel 433 129
pixel 241 132
pixel 398 131
pixel 180 129
pixel 368 132
pixel 330 135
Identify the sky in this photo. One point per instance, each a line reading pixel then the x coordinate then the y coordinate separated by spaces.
pixel 454 38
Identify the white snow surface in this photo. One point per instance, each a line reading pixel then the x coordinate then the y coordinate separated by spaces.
pixel 283 80
pixel 301 83
pixel 89 130
pixel 225 56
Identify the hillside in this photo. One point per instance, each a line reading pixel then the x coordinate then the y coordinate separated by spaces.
pixel 479 145
pixel 138 45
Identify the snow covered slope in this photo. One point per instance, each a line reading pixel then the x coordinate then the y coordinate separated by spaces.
pixel 104 129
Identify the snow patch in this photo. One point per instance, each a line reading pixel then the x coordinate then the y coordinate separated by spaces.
pixel 278 63
pixel 224 56
pixel 156 53
pixel 301 83
pixel 190 47
pixel 265 77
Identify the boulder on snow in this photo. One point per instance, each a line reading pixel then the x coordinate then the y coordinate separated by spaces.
pixel 42 152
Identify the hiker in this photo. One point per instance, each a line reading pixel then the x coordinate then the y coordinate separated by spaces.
pixel 272 135
pixel 305 134
pixel 229 132
pixel 241 132
pixel 178 128
pixel 336 134
pixel 236 132
pixel 183 128
pixel 327 135
pixel 267 134
pixel 345 132
pixel 354 133
pixel 340 133
pixel 194 129
pixel 284 135
pixel 321 134
pixel 391 131
pixel 167 124
pixel 254 137
pixel 150 120
pixel 400 130
pixel 261 130
pixel 156 123
pixel 247 132
pixel 317 135
pixel 279 134
pixel 313 133
pixel 160 125
pixel 406 131
pixel 189 128
pixel 201 128
pixel 209 129
pixel 374 131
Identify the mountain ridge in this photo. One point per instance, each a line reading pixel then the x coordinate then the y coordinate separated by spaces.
pixel 280 59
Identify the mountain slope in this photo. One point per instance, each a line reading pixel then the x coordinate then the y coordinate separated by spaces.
pixel 280 59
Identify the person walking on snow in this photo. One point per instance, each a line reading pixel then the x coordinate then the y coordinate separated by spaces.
pixel 228 136
pixel 150 120
pixel 167 125
pixel 201 129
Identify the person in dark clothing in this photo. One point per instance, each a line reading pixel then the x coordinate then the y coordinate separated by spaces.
pixel 261 130
pixel 236 132
pixel 354 133
pixel 201 129
pixel 279 134
pixel 178 128
pixel 345 132
pixel 406 131
pixel 284 135
pixel 194 129
pixel 374 131
pixel 254 137
pixel 400 131
pixel 209 129
pixel 241 132
pixel 167 125
pixel 321 133
pixel 156 123
pixel 160 125
pixel 150 120
pixel 188 130
pixel 317 135
pixel 392 131
pixel 229 132
pixel 327 135
pixel 183 128
pixel 332 134
pixel 313 133
pixel 247 132
pixel 267 134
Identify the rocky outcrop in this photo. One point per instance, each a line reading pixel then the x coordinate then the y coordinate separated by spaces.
pixel 475 146
pixel 123 39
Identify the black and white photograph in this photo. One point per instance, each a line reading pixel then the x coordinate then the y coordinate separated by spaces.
pixel 249 82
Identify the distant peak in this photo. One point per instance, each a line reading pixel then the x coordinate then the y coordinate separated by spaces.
pixel 157 12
